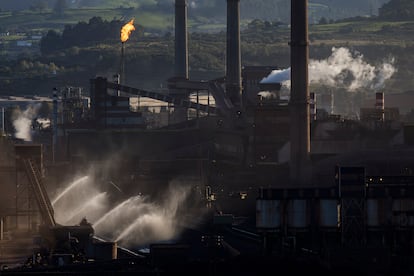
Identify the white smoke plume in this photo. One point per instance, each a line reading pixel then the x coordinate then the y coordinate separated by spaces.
pixel 22 122
pixel 341 69
pixel 267 94
pixel 278 76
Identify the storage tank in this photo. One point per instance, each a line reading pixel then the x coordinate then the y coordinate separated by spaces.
pixel 297 213
pixel 328 213
pixel 267 214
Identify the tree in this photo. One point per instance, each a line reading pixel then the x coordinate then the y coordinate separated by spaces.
pixel 50 43
pixel 397 10
pixel 323 21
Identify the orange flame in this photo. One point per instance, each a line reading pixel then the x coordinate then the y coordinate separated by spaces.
pixel 126 30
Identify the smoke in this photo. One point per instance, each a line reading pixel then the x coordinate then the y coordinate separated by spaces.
pixel 22 121
pixel 349 70
pixel 342 69
pixel 268 94
pixel 278 76
pixel 193 4
pixel 43 123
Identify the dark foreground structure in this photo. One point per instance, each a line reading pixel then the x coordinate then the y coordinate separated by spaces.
pixel 273 189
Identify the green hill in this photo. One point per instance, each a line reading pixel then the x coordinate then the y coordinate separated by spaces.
pixel 250 9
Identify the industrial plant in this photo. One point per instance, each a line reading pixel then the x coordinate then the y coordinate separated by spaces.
pixel 228 175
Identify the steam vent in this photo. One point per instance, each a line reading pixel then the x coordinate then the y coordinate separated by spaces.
pixel 249 173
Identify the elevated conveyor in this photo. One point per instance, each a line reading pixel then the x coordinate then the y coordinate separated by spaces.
pixel 133 92
pixel 39 191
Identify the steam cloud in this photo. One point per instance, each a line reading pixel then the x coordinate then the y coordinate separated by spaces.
pixel 341 69
pixel 23 122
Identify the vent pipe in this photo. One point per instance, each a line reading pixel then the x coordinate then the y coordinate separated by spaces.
pixel 55 124
pixel 299 98
pixel 379 104
pixel 3 121
pixel 312 106
pixel 233 55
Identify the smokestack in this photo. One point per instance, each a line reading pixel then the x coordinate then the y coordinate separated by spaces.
pixel 299 98
pixel 181 60
pixel 379 104
pixel 122 65
pixel 233 56
pixel 55 122
pixel 3 121
pixel 181 40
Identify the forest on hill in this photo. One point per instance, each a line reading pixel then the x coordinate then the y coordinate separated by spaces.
pixel 273 10
pixel 74 53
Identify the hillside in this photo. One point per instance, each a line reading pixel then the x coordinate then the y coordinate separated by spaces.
pixel 74 59
pixel 273 10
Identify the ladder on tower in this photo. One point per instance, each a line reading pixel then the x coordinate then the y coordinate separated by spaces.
pixel 39 190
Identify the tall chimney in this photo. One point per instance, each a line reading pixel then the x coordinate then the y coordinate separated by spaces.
pixel 299 98
pixel 181 39
pixel 233 56
pixel 55 124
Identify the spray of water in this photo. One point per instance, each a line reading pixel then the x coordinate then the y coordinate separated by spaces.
pixel 157 222
pixel 96 203
pixel 118 210
pixel 69 188
pixel 136 221
pixel 154 226
pixel 81 199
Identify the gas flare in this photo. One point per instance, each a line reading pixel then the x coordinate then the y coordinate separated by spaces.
pixel 126 30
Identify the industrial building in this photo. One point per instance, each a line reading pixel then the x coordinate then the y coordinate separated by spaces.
pixel 272 180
